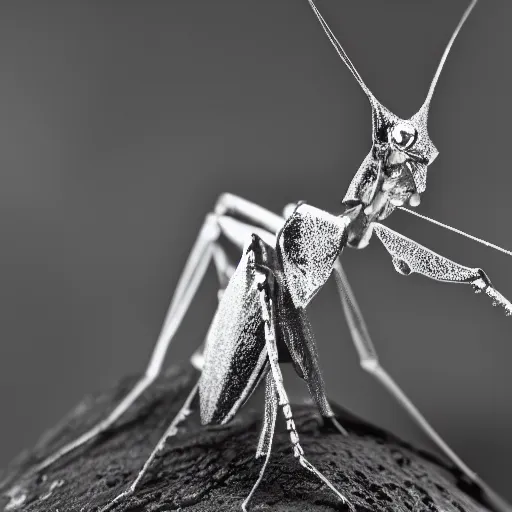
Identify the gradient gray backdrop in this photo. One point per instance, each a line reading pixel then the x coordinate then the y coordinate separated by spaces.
pixel 121 122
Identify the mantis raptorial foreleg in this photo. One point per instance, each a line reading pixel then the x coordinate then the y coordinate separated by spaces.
pixel 409 257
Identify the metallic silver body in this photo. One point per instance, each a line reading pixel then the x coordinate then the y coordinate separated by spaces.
pixel 261 320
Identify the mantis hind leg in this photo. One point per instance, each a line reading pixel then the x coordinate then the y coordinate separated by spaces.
pixel 370 362
pixel 228 208
pixel 171 431
pixel 188 284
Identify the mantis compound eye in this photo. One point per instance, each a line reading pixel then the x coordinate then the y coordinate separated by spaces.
pixel 404 135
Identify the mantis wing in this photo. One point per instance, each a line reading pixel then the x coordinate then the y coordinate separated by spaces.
pixel 235 357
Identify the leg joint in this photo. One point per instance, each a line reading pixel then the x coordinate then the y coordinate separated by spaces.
pixel 298 452
pixel 371 365
pixel 212 227
pixel 223 203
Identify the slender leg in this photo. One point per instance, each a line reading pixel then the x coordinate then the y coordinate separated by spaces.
pixel 268 319
pixel 188 284
pixel 267 433
pixel 223 267
pixel 224 270
pixel 251 213
pixel 370 362
pixel 190 279
pixel 171 431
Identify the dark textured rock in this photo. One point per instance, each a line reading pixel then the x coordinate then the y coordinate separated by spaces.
pixel 205 469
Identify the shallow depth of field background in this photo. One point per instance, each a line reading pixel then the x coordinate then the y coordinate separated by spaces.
pixel 120 124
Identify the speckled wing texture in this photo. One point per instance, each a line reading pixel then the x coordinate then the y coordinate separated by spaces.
pixel 235 355
pixel 295 331
pixel 409 256
pixel 308 246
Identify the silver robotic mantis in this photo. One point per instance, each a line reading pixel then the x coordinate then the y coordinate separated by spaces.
pixel 261 319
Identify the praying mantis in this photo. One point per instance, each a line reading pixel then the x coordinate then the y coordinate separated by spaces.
pixel 261 320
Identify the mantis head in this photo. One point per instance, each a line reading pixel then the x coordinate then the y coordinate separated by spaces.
pixel 394 173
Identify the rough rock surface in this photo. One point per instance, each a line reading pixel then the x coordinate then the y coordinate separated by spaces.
pixel 213 468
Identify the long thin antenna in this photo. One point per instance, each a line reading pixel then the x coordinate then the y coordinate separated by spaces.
pixel 446 52
pixel 458 231
pixel 340 50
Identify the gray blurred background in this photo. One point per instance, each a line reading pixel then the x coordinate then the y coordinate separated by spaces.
pixel 120 124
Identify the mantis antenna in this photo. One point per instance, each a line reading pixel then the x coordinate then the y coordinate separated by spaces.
pixel 357 76
pixel 433 84
pixel 341 51
pixel 458 231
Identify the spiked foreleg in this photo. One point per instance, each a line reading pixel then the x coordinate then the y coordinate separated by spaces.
pixel 409 256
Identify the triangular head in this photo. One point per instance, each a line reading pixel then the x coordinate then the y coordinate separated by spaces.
pixel 394 173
